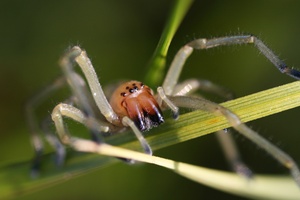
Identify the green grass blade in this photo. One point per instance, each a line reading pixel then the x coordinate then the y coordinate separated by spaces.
pixel 156 66
pixel 15 179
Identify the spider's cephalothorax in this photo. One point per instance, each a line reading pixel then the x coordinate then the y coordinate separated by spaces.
pixel 135 100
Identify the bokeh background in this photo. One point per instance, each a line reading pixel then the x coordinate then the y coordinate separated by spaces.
pixel 120 37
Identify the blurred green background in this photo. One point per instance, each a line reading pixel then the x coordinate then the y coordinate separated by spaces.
pixel 120 37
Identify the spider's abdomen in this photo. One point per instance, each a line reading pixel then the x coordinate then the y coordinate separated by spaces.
pixel 135 100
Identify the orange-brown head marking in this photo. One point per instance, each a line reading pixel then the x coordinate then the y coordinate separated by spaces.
pixel 135 100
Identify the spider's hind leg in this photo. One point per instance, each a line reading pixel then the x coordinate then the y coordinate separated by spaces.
pixel 235 122
pixel 232 154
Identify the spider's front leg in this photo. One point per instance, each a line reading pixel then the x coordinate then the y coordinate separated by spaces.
pixel 66 110
pixel 80 57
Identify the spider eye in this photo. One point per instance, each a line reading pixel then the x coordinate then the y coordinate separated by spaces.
pixel 123 94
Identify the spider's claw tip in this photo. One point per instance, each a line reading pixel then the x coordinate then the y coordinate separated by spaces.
pixel 148 150
pixel 175 115
pixel 244 171
pixel 36 164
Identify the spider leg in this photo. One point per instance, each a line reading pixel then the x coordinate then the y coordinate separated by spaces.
pixel 232 154
pixel 81 58
pixel 225 139
pixel 66 110
pixel 181 56
pixel 52 139
pixel 78 55
pixel 189 86
pixel 34 127
pixel 128 122
pixel 235 122
pixel 34 102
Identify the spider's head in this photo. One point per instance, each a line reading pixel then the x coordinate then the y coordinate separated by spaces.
pixel 135 100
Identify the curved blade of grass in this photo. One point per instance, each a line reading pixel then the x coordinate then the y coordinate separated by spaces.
pixel 261 186
pixel 15 179
pixel 156 67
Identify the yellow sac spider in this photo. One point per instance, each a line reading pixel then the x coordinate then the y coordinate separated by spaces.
pixel 133 105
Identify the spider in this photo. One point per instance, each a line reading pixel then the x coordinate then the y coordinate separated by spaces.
pixel 133 104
